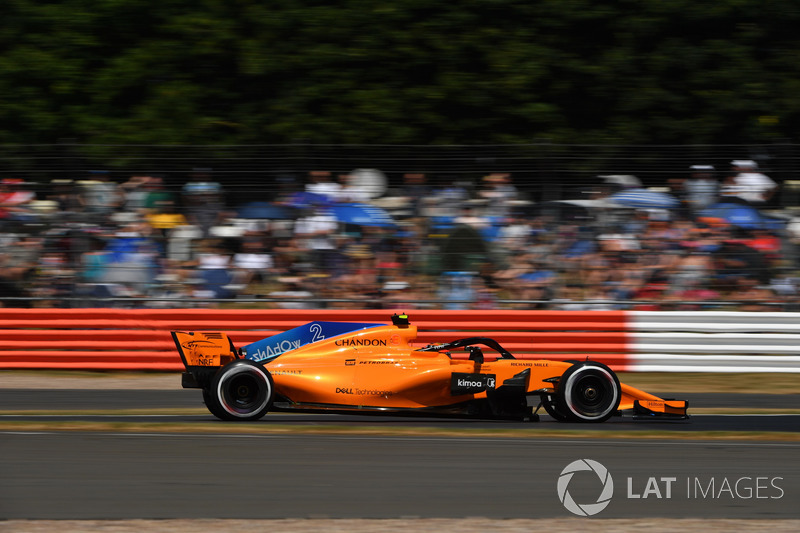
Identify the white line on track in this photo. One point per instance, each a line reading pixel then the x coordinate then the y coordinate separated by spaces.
pixel 23 415
pixel 744 414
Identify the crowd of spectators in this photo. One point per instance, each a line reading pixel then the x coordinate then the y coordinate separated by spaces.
pixel 463 244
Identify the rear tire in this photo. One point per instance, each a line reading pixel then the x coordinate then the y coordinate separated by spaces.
pixel 241 390
pixel 213 405
pixel 588 392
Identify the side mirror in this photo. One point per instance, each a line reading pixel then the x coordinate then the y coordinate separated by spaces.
pixel 475 354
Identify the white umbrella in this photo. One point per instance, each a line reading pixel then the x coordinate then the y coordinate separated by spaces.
pixel 644 199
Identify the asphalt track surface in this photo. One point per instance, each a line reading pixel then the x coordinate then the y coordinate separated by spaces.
pixel 128 475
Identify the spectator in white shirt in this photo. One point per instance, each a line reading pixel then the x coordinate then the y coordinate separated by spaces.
pixel 320 182
pixel 747 184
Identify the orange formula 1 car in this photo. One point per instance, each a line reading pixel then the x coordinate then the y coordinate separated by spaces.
pixel 373 368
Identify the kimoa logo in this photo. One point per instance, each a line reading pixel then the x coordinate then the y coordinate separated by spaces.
pixel 586 509
pixel 472 383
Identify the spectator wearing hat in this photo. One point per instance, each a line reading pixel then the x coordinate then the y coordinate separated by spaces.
pixel 701 189
pixel 747 185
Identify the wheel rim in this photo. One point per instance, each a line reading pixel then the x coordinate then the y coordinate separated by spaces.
pixel 244 392
pixel 592 393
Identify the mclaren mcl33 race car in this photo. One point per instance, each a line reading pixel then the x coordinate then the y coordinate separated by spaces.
pixel 344 367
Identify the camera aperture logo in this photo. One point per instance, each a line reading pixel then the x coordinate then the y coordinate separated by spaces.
pixel 711 489
pixel 585 509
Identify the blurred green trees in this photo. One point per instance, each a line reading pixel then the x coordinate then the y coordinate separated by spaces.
pixel 402 72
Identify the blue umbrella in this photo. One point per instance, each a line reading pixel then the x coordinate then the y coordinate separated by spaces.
pixel 264 210
pixel 644 199
pixel 742 216
pixel 361 215
pixel 308 199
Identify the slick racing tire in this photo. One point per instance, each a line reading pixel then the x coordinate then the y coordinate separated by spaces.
pixel 241 390
pixel 549 404
pixel 588 392
pixel 214 407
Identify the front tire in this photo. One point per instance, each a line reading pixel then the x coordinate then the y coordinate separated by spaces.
pixel 550 407
pixel 588 392
pixel 241 390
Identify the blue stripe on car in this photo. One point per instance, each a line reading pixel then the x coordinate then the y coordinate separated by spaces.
pixel 272 347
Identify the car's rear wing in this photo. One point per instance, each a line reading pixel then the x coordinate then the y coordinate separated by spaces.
pixel 203 353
